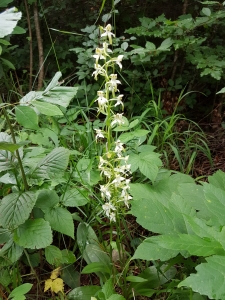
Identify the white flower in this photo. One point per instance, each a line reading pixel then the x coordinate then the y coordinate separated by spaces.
pixel 98 71
pixel 106 49
pixel 119 147
pixel 98 54
pixel 112 217
pixel 102 101
pixel 108 33
pixel 102 162
pixel 125 197
pixel 118 180
pixel 119 100
pixel 108 207
pixel 117 119
pixel 113 82
pixel 99 134
pixel 118 60
pixel 105 192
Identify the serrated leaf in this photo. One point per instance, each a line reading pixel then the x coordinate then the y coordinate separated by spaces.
pixel 53 164
pixel 46 200
pixel 15 208
pixel 47 109
pixel 60 220
pixel 61 95
pixel 26 117
pixel 10 253
pixel 148 164
pixel 53 255
pixel 212 273
pixel 34 234
pixel 8 20
pixel 5 156
pixel 75 197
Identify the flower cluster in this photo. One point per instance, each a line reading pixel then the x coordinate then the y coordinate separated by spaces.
pixel 113 163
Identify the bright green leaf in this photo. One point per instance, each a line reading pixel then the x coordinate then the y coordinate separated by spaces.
pixel 33 234
pixel 47 109
pixel 15 208
pixel 26 117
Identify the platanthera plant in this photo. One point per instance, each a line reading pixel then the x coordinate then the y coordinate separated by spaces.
pixel 113 164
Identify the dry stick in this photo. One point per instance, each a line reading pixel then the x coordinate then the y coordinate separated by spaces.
pixel 40 47
pixel 31 45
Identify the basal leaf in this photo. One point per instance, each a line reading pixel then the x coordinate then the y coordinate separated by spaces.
pixel 33 234
pixel 15 208
pixel 47 109
pixel 26 117
pixel 60 220
pixel 210 278
pixel 95 267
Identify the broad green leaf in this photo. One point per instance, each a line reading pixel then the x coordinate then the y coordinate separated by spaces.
pixel 47 109
pixel 95 267
pixel 8 20
pixel 61 95
pixel 4 3
pixel 68 257
pixel 26 117
pixel 206 11
pixel 34 234
pixel 75 197
pixel 10 146
pixel 128 136
pixel 71 276
pixel 209 279
pixel 193 244
pixel 60 220
pixel 215 203
pixel 150 250
pixel 28 98
pixel 148 164
pixel 15 208
pixel 10 253
pixel 18 30
pixel 83 292
pixel 7 63
pixel 153 215
pixel 165 44
pixel 53 164
pixel 150 46
pixel 47 199
pixel 218 179
pixel 20 290
pixel 53 255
